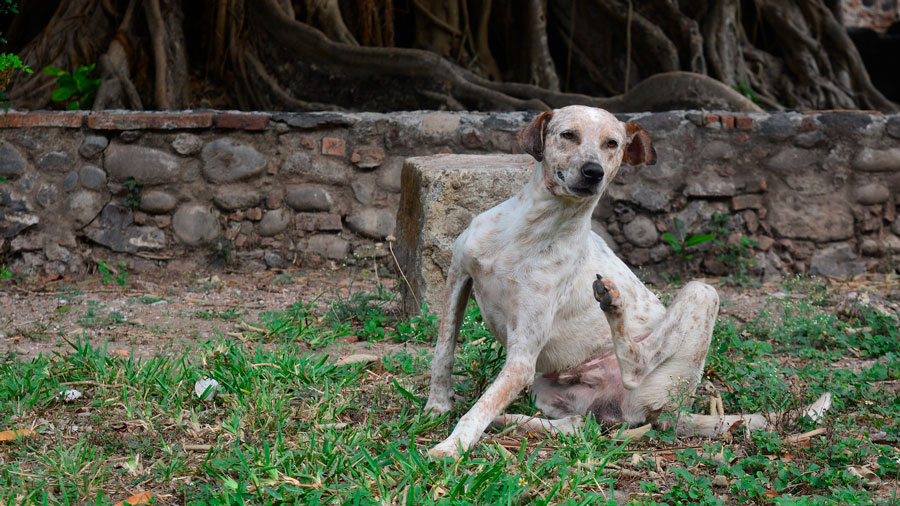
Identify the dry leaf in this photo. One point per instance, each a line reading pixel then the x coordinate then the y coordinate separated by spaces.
pixel 360 358
pixel 866 474
pixel 635 434
pixel 142 498
pixel 8 436
pixel 122 353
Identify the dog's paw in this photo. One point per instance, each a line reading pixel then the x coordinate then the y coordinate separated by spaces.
pixel 606 293
pixel 436 407
pixel 447 449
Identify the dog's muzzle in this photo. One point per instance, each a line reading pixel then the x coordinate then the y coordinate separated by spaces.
pixel 592 172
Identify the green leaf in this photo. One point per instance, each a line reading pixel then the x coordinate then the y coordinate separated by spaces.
pixel 66 81
pixel 73 106
pixel 61 94
pixel 54 71
pixel 698 239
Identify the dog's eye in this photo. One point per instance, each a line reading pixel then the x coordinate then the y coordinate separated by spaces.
pixel 611 144
pixel 568 135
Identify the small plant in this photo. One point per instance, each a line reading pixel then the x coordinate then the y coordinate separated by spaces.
pixel 681 241
pixel 736 256
pixel 77 89
pixel 119 273
pixel 743 87
pixel 4 273
pixel 9 63
pixel 133 185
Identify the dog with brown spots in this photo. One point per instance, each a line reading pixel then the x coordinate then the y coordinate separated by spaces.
pixel 578 326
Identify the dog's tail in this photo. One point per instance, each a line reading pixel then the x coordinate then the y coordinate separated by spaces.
pixel 715 425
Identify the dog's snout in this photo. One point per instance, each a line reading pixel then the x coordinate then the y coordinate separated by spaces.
pixel 592 170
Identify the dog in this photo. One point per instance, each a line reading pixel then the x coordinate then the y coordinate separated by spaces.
pixel 578 326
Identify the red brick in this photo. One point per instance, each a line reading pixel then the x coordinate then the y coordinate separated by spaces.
pixel 367 157
pixel 711 119
pixel 254 214
pixel 808 125
pixel 308 143
pixel 743 123
pixel 273 200
pixel 241 240
pixel 242 120
pixel 18 119
pixel 728 122
pixel 741 202
pixel 334 147
pixel 149 120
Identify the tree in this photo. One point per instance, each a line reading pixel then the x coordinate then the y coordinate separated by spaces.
pixel 450 54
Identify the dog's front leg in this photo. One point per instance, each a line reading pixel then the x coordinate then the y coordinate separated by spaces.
pixel 516 375
pixel 459 286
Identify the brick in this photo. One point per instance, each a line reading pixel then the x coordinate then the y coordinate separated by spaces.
pixel 743 123
pixel 329 222
pixel 308 143
pixel 711 119
pixel 728 122
pixel 741 202
pixel 367 157
pixel 149 120
pixel 808 125
pixel 242 120
pixel 19 119
pixel 254 214
pixel 334 147
pixel 758 185
pixel 765 242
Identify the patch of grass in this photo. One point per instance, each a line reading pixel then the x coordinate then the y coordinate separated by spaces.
pixel 287 426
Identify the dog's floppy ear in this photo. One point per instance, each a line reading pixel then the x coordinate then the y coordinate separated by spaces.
pixel 532 137
pixel 639 149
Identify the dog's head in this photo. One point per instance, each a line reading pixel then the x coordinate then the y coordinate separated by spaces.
pixel 581 148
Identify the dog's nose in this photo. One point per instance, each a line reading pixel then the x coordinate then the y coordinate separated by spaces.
pixel 593 171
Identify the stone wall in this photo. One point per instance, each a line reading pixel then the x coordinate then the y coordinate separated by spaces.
pixel 815 191
pixel 875 14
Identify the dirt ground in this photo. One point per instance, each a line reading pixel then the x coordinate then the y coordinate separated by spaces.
pixel 170 312
pixel 164 313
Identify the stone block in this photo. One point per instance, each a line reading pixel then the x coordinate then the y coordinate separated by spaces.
pixel 439 197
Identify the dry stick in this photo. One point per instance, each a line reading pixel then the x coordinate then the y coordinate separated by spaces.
pixel 805 435
pixel 397 262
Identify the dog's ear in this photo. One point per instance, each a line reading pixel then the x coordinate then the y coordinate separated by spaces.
pixel 639 149
pixel 532 137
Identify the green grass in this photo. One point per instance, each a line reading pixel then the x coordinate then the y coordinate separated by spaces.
pixel 290 427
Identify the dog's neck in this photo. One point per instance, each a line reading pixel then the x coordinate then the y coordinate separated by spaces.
pixel 551 217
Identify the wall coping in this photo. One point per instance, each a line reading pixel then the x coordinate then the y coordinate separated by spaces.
pixel 204 119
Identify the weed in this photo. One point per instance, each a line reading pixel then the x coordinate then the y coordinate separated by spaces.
pixel 737 256
pixel 133 186
pixel 682 241
pixel 119 273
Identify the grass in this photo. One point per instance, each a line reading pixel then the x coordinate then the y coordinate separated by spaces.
pixel 289 427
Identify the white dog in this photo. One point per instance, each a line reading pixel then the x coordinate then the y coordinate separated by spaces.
pixel 537 268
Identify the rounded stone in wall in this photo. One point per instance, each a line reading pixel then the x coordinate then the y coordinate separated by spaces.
pixel 641 231
pixel 71 181
pixel 92 177
pixel 187 144
pixel 12 163
pixel 373 223
pixel 84 206
pixel 872 193
pixel 92 146
pixel 148 165
pixel 309 198
pixel 273 222
pixel 226 160
pixel 55 161
pixel 157 202
pixel 232 201
pixel 328 246
pixel 195 224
